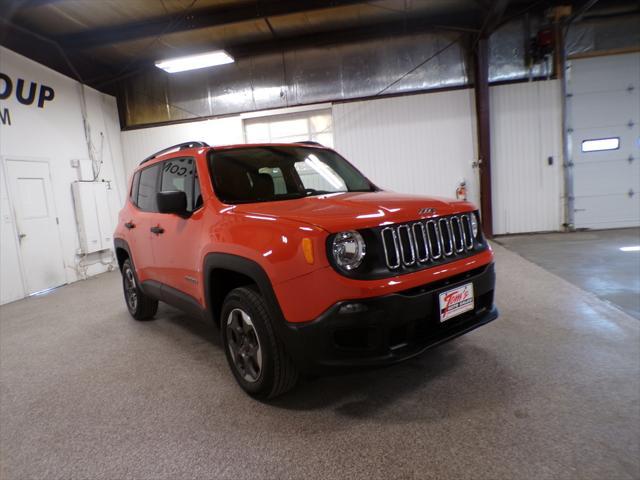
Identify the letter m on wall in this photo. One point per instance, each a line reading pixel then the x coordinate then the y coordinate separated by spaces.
pixel 5 118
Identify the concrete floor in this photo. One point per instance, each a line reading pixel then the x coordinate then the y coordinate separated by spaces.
pixel 591 260
pixel 550 390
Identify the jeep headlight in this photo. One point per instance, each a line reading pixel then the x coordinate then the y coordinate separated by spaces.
pixel 474 225
pixel 348 249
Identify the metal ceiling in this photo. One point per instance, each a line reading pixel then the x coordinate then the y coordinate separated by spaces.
pixel 104 39
pixel 296 48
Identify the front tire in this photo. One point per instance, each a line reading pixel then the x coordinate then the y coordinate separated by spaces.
pixel 140 306
pixel 255 354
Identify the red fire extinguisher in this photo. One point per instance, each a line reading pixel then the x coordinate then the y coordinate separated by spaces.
pixel 461 191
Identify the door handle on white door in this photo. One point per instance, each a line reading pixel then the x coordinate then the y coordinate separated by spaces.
pixel 20 235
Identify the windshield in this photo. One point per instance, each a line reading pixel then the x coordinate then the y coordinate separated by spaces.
pixel 263 174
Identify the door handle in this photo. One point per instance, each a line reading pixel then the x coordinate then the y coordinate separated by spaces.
pixel 157 230
pixel 130 225
pixel 21 236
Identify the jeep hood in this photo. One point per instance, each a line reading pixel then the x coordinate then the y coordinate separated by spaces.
pixel 354 210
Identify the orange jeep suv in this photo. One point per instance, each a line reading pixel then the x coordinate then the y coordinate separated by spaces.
pixel 302 262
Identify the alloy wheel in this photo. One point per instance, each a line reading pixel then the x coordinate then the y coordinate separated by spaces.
pixel 130 290
pixel 244 345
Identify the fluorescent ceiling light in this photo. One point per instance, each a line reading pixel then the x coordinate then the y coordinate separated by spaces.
pixel 194 62
pixel 634 248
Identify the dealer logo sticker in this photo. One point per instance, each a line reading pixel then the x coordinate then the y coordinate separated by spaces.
pixel 456 301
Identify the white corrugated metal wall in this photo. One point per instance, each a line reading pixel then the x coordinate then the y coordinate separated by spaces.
pixel 426 144
pixel 422 144
pixel 526 136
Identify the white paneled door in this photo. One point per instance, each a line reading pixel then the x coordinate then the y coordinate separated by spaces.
pixel 526 157
pixel 604 122
pixel 37 225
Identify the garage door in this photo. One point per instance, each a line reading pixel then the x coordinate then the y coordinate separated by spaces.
pixel 604 121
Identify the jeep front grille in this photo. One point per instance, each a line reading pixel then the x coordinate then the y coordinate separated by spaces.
pixel 426 241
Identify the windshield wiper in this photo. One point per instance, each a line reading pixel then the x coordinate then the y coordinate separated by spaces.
pixel 312 191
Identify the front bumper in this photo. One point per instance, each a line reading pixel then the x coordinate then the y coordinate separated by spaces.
pixel 389 328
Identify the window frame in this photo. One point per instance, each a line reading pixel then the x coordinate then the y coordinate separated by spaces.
pixel 588 140
pixel 135 184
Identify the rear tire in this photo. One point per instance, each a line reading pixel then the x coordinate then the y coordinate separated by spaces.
pixel 140 306
pixel 255 354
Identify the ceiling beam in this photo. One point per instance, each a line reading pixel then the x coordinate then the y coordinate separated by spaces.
pixel 46 51
pixel 494 16
pixel 579 13
pixel 197 19
pixel 353 35
pixel 484 4
pixel 24 4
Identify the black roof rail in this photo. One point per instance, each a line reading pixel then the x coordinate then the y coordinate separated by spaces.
pixel 309 142
pixel 180 146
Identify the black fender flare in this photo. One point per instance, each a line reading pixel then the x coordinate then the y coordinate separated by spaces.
pixel 119 243
pixel 244 266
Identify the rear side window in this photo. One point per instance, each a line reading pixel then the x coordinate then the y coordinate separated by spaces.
pixel 147 189
pixel 180 174
pixel 134 188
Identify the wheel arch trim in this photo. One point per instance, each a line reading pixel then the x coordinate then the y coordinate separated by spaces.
pixel 246 267
pixel 120 244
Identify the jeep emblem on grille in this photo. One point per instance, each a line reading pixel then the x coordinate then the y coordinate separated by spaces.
pixel 426 211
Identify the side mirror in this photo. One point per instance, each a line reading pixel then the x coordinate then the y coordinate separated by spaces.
pixel 172 202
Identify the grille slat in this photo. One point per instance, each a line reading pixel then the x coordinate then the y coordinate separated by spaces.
pixel 466 231
pixel 407 245
pixel 427 241
pixel 456 233
pixel 391 252
pixel 434 240
pixel 445 236
pixel 422 243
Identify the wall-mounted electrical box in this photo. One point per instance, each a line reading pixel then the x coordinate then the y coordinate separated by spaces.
pixel 93 216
